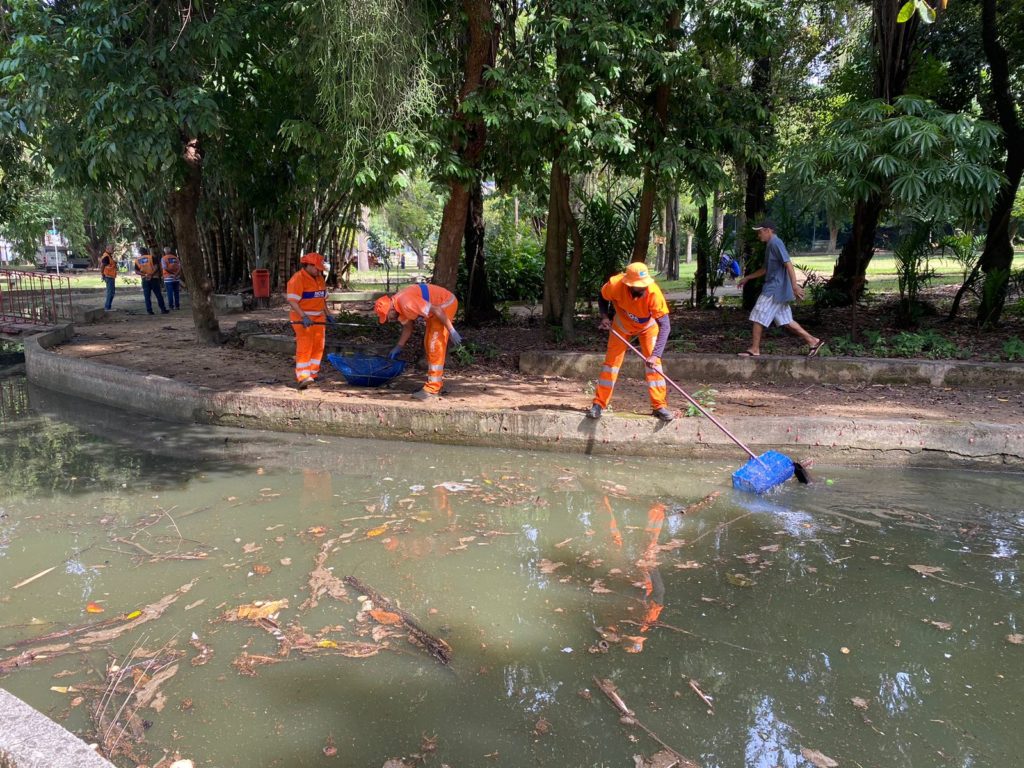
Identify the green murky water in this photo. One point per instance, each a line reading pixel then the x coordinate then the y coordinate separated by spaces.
pixel 798 615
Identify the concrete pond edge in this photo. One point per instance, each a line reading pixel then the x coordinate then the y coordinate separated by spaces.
pixel 29 739
pixel 838 440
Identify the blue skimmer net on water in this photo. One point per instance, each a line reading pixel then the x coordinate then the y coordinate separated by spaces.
pixel 367 370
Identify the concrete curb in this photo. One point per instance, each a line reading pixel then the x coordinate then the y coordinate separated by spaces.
pixel 29 739
pixel 934 443
pixel 788 368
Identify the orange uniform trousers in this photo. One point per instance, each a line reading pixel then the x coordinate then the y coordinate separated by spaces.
pixel 656 387
pixel 309 350
pixel 435 344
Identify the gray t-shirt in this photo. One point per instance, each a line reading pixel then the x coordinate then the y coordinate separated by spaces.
pixel 776 281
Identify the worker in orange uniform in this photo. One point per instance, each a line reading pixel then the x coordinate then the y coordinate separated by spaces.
pixel 306 294
pixel 108 268
pixel 437 306
pixel 633 305
pixel 147 266
pixel 171 267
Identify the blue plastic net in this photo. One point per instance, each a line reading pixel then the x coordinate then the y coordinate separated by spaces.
pixel 366 370
pixel 763 473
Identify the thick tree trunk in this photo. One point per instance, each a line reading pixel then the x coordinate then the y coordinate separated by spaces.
pixel 894 45
pixel 469 141
pixel 555 245
pixel 997 257
pixel 182 204
pixel 753 210
pixel 847 281
pixel 478 303
pixel 662 93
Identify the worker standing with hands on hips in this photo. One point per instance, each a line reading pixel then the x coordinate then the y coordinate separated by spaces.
pixel 147 266
pixel 171 268
pixel 437 306
pixel 632 304
pixel 306 294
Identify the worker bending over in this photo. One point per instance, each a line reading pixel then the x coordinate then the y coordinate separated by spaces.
pixel 437 306
pixel 306 294
pixel 632 304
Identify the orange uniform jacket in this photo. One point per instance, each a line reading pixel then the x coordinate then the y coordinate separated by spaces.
pixel 108 265
pixel 311 294
pixel 147 266
pixel 633 315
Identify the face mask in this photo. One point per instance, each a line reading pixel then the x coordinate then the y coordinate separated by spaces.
pixel 636 293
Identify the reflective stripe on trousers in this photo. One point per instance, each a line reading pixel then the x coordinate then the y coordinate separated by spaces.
pixel 309 349
pixel 435 344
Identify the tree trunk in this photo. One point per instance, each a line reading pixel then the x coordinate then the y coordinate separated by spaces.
pixel 703 257
pixel 672 240
pixel 662 92
pixel 182 204
pixel 833 235
pixel 478 303
pixel 894 45
pixel 847 282
pixel 754 193
pixel 997 257
pixel 469 140
pixel 555 245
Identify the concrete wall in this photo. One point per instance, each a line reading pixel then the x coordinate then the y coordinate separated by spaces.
pixel 29 739
pixel 777 368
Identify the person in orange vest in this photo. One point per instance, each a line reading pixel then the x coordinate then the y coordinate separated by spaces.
pixel 306 294
pixel 437 305
pixel 108 268
pixel 171 268
pixel 632 304
pixel 148 268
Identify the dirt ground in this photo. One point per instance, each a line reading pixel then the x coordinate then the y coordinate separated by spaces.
pixel 165 345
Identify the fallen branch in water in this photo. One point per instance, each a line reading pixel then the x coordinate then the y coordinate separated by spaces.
pixel 435 646
pixel 629 718
pixel 698 506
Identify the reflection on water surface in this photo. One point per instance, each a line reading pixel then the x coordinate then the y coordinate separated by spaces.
pixel 798 616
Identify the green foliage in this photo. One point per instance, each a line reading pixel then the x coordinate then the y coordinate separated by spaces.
pixel 1013 349
pixel 414 214
pixel 607 228
pixel 930 164
pixel 515 263
pixel 706 397
pixel 913 272
pixel 927 344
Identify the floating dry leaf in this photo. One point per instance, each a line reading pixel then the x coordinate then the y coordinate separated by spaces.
pixel 859 703
pixel 260 610
pixel 561 544
pixel 817 759
pixel 1015 639
pixel 739 580
pixel 689 565
pixel 546 566
pixel 94 608
pixel 286 561
pixel 317 530
pixel 770 548
pixel 251 547
pixel 385 617
pixel 599 589
pixel 376 531
pixel 943 625
pixel 925 570
pixel 260 569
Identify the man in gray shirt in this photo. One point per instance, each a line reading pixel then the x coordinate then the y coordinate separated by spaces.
pixel 780 288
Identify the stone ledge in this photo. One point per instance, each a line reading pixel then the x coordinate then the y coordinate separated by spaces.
pixel 889 441
pixel 788 368
pixel 29 739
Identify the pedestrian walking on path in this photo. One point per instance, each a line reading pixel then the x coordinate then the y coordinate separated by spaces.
pixel 171 268
pixel 148 268
pixel 780 288
pixel 108 268
pixel 632 305
pixel 437 306
pixel 306 295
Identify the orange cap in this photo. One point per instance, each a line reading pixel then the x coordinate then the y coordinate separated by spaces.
pixel 637 275
pixel 382 306
pixel 315 259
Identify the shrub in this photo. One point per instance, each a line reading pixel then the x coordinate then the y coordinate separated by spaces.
pixel 1013 349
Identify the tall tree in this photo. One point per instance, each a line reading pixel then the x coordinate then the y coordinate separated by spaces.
pixel 1001 22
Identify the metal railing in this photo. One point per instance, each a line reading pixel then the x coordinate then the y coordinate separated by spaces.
pixel 34 298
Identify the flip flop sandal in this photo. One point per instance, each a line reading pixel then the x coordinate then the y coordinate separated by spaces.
pixel 747 354
pixel 813 351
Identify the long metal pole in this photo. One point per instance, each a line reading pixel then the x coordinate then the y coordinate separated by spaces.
pixel 692 402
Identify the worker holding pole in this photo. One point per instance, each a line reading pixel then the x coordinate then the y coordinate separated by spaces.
pixel 306 295
pixel 632 304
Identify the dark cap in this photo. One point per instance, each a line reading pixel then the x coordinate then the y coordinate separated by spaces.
pixel 765 224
